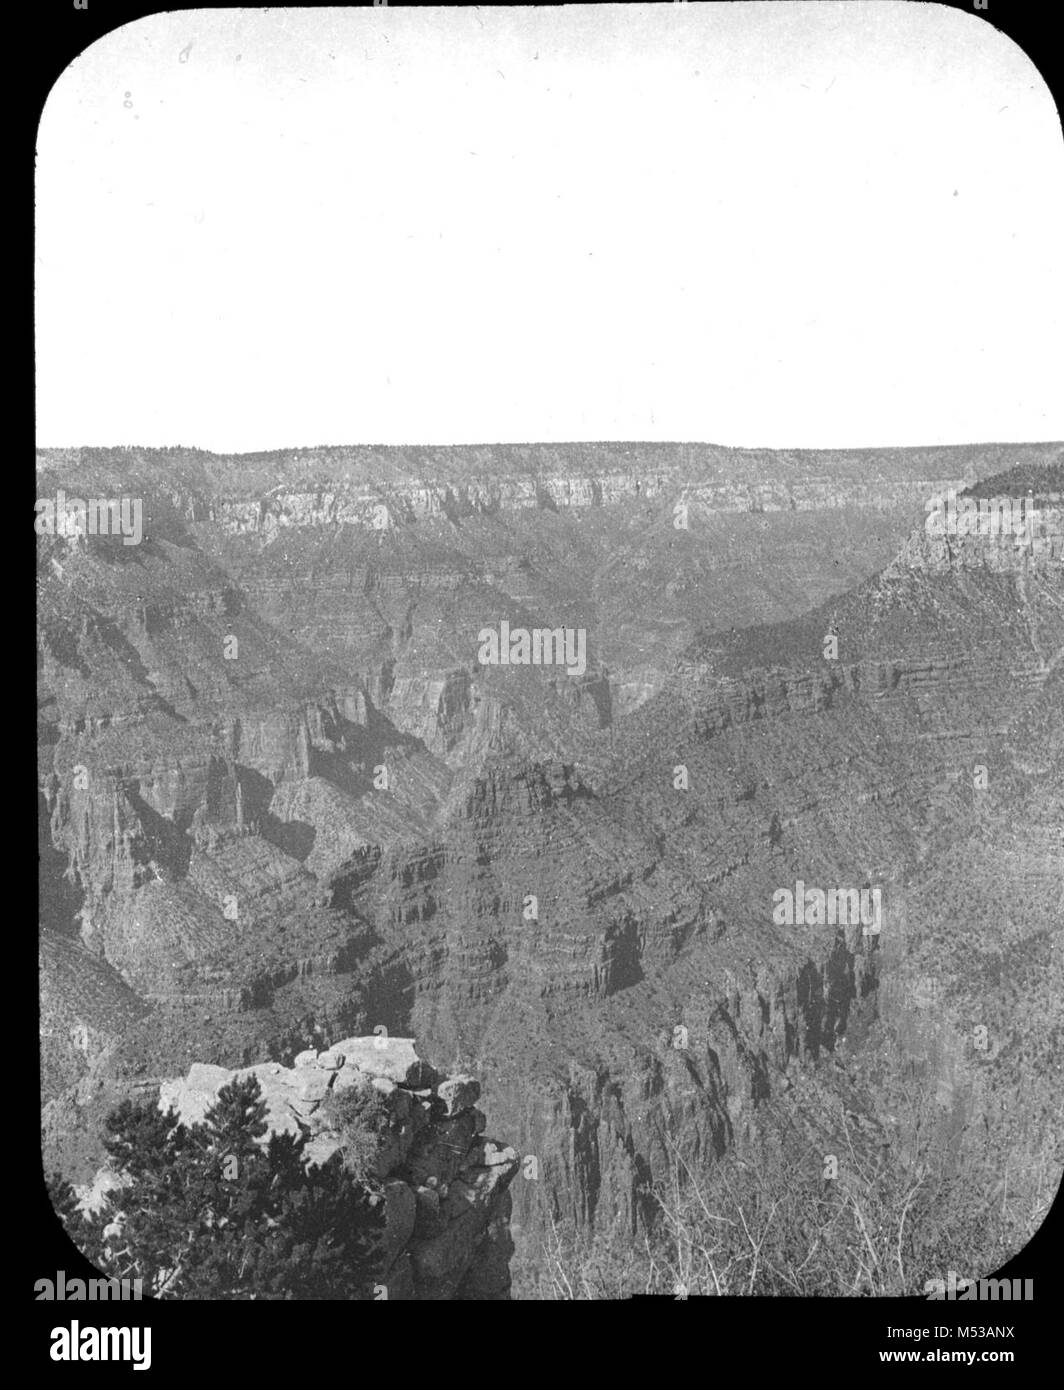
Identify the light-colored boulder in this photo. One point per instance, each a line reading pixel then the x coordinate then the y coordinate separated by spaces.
pixel 193 1095
pixel 458 1093
pixel 313 1086
pixel 395 1058
pixel 491 1155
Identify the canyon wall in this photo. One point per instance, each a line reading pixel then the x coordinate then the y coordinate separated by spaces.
pixel 352 825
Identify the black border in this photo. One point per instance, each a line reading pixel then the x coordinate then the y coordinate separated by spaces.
pixel 815 1338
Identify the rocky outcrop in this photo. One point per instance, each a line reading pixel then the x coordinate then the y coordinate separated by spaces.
pixel 442 1184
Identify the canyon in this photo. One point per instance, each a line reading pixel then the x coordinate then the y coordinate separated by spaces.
pixel 282 805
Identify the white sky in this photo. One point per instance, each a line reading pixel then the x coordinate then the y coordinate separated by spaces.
pixel 776 224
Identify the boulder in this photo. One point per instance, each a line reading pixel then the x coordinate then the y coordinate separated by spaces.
pixel 312 1087
pixel 394 1058
pixel 458 1093
pixel 491 1155
pixel 441 1149
pixel 192 1096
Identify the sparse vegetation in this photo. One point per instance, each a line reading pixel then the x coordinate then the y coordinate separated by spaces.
pixel 771 1225
pixel 359 1115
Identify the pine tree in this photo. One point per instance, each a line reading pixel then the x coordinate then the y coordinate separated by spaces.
pixel 81 1230
pixel 212 1212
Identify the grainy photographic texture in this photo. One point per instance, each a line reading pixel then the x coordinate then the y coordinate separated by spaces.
pixel 550 614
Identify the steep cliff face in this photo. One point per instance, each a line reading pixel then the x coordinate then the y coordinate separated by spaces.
pixel 567 885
